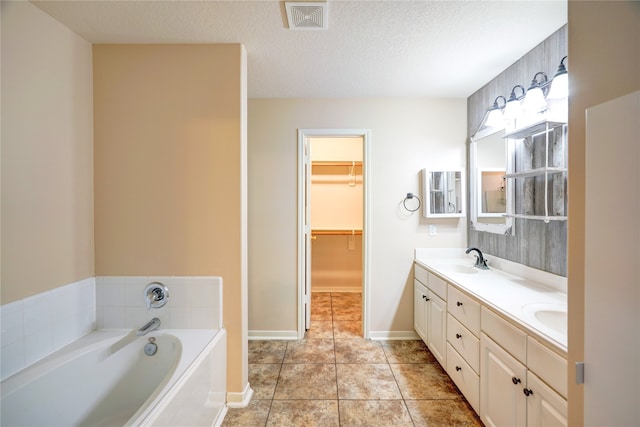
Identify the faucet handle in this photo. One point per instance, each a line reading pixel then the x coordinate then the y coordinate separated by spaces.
pixel 156 295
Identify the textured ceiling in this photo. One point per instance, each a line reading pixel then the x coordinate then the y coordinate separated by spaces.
pixel 370 49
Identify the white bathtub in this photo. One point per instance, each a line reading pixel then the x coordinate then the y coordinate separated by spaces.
pixel 106 379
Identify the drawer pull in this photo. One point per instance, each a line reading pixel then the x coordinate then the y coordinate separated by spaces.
pixel 459 304
pixel 527 391
pixel 458 336
pixel 515 380
pixel 458 368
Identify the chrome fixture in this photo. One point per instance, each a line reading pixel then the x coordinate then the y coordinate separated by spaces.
pixel 156 295
pixel 494 115
pixel 481 262
pixel 560 83
pixel 151 347
pixel 409 197
pixel 151 325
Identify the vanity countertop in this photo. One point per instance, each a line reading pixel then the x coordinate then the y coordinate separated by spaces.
pixel 535 300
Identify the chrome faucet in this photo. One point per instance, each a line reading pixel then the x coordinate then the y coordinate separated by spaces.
pixel 481 262
pixel 152 325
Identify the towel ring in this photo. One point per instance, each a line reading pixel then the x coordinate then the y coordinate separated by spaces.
pixel 411 196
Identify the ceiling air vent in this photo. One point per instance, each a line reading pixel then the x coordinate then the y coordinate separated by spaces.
pixel 307 16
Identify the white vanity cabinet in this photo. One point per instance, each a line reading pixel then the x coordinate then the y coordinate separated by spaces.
pixel 511 392
pixel 430 312
pixel 463 344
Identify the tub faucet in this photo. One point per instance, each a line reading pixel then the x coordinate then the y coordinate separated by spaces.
pixel 152 325
pixel 481 262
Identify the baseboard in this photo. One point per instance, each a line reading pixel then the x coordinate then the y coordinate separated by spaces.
pixel 273 335
pixel 336 289
pixel 393 335
pixel 240 400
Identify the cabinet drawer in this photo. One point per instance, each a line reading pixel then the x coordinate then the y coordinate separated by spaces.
pixel 465 378
pixel 465 309
pixel 548 365
pixel 421 274
pixel 464 342
pixel 438 286
pixel 504 333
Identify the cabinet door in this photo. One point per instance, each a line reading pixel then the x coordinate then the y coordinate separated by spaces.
pixel 420 306
pixel 437 328
pixel 502 380
pixel 545 407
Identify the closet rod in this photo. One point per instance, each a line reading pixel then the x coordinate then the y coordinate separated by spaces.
pixel 336 232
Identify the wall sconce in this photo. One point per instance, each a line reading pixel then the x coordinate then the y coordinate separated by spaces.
pixel 513 109
pixel 534 101
pixel 494 115
pixel 560 83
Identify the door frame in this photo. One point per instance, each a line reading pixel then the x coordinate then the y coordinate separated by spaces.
pixel 365 134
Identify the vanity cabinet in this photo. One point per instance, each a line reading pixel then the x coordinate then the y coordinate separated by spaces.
pixel 511 392
pixel 430 312
pixel 463 344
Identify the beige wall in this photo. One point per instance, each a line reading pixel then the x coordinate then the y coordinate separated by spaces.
pixel 169 162
pixel 47 167
pixel 407 135
pixel 604 63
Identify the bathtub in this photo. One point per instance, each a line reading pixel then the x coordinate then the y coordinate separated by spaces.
pixel 106 379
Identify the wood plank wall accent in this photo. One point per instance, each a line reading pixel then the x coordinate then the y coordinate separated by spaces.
pixel 535 244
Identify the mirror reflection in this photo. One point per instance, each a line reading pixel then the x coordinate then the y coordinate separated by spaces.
pixel 490 192
pixel 444 193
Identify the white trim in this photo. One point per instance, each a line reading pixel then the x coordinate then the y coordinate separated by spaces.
pixel 366 237
pixel 240 400
pixel 273 335
pixel 394 335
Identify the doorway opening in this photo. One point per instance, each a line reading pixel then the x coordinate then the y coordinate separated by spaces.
pixel 333 242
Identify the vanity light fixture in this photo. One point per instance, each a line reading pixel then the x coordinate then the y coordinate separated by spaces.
pixel 494 115
pixel 513 109
pixel 560 83
pixel 534 99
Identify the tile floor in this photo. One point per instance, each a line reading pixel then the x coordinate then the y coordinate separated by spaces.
pixel 333 377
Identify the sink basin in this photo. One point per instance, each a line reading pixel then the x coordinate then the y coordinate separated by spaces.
pixel 462 269
pixel 550 316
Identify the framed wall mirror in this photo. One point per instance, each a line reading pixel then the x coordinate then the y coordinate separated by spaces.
pixel 443 193
pixel 491 194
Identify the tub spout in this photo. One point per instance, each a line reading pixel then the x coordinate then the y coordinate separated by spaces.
pixel 152 325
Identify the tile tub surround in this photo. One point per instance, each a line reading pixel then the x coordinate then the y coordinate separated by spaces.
pixel 193 302
pixel 333 377
pixel 35 327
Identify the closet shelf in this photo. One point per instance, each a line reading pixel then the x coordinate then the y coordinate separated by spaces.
pixel 336 163
pixel 336 232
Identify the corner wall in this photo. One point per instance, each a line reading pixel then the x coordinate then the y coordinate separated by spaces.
pixel 407 135
pixel 604 64
pixel 170 161
pixel 47 154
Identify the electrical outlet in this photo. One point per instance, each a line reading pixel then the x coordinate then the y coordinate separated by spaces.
pixel 433 230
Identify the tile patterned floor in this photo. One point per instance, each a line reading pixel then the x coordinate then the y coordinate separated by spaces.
pixel 333 377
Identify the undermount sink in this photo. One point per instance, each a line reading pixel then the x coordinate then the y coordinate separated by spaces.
pixel 463 269
pixel 551 316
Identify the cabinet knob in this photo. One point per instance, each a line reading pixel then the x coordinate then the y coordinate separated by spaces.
pixel 515 380
pixel 458 303
pixel 458 336
pixel 527 391
pixel 458 368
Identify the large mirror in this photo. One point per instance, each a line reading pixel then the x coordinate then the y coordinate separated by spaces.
pixel 443 193
pixel 491 193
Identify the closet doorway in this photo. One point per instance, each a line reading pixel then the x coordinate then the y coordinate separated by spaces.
pixel 333 242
